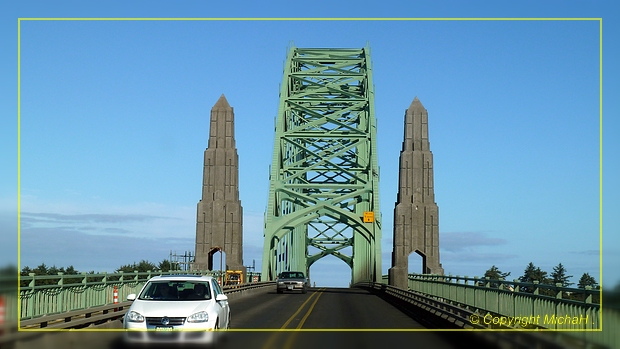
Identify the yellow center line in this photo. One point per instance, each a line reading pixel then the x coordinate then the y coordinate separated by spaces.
pixel 301 323
pixel 271 340
pixel 290 340
pixel 298 310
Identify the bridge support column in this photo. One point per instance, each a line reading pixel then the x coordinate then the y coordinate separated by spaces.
pixel 397 277
pixel 219 219
pixel 416 215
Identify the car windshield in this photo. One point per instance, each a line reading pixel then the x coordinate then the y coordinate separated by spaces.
pixel 176 291
pixel 291 275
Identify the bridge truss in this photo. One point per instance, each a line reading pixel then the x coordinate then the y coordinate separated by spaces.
pixel 323 193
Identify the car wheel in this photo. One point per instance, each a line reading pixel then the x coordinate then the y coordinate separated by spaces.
pixel 279 291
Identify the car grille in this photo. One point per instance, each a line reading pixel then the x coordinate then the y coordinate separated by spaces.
pixel 156 321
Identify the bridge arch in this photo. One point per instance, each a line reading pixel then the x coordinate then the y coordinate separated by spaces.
pixel 324 172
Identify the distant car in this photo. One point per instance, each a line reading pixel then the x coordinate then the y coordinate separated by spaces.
pixel 292 281
pixel 177 309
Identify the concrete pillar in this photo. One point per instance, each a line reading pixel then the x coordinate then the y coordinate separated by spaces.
pixel 416 215
pixel 219 220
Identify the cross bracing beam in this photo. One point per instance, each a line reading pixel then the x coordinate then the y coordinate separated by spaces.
pixel 324 173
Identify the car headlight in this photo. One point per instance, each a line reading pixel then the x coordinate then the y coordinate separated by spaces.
pixel 280 282
pixel 134 316
pixel 201 316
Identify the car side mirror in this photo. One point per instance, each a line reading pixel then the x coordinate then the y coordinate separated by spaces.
pixel 221 297
pixel 131 297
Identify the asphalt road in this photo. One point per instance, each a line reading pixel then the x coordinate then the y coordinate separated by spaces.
pixel 321 308
pixel 327 318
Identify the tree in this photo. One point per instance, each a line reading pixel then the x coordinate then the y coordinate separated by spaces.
pixel 495 274
pixel 559 276
pixel 25 271
pixel 42 269
pixel 587 280
pixel 166 265
pixel 141 267
pixel 71 270
pixel 531 274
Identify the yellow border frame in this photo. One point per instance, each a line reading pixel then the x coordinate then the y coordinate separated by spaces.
pixel 600 20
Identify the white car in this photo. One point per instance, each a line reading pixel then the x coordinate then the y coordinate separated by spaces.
pixel 179 308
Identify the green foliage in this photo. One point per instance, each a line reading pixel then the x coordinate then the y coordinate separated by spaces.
pixel 43 269
pixel 531 274
pixel 587 280
pixel 166 266
pixel 494 273
pixel 141 267
pixel 558 276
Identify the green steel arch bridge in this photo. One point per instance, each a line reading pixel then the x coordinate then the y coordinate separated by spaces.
pixel 323 192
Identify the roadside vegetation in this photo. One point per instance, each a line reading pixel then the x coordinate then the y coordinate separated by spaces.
pixel 558 277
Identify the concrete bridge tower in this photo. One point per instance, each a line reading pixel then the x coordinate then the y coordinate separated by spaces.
pixel 416 215
pixel 219 214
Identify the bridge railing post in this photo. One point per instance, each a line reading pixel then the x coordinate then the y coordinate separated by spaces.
pixel 61 295
pixel 84 286
pixel 535 300
pixel 464 297
pixel 559 293
pixel 31 285
pixel 479 296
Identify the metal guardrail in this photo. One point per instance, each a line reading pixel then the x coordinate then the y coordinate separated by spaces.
pixel 100 314
pixel 436 313
pixel 78 318
pixel 446 315
pixel 93 316
pixel 543 306
pixel 500 299
pixel 55 294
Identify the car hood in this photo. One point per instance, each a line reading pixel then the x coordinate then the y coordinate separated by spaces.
pixel 152 308
pixel 295 280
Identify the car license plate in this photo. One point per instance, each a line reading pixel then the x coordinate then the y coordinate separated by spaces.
pixel 169 328
pixel 290 287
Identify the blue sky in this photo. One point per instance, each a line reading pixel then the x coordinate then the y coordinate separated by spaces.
pixel 114 122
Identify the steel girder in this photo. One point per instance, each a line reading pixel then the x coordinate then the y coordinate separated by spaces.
pixel 324 172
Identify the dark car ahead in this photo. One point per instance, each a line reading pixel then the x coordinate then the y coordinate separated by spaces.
pixel 292 281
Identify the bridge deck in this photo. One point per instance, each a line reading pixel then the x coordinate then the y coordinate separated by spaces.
pixel 321 308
